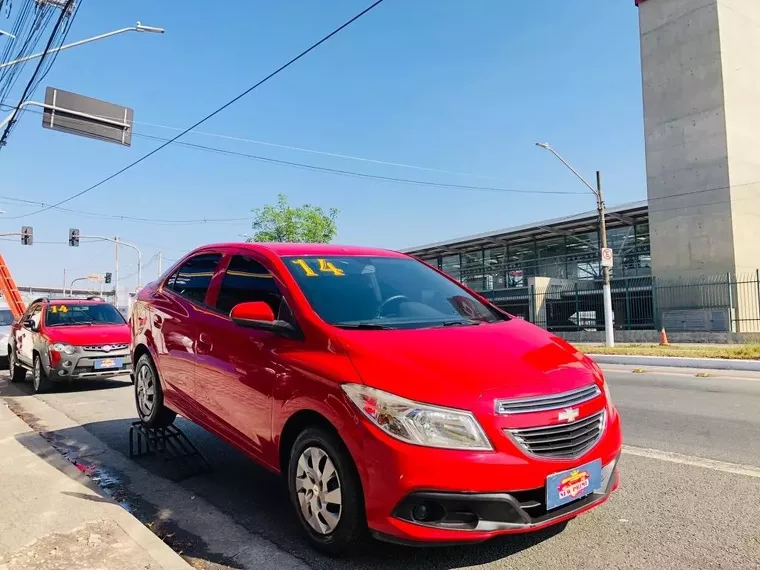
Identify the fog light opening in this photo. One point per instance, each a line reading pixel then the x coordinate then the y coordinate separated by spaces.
pixel 428 512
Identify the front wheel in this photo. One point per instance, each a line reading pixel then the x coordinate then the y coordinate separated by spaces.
pixel 41 380
pixel 17 373
pixel 326 492
pixel 149 398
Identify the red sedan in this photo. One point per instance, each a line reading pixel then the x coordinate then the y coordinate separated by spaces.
pixel 394 401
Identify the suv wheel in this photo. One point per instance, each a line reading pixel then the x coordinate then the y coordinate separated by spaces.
pixel 149 398
pixel 41 381
pixel 326 492
pixel 17 373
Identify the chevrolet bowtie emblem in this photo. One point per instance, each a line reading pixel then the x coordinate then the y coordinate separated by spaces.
pixel 568 415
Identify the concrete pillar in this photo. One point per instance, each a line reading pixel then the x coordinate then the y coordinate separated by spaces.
pixel 701 83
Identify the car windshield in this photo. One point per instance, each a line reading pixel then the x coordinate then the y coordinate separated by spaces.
pixel 62 314
pixel 385 292
pixel 6 317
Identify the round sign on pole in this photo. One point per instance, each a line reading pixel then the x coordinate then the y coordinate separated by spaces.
pixel 606 257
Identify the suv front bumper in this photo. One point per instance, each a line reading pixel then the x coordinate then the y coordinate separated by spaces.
pixel 81 364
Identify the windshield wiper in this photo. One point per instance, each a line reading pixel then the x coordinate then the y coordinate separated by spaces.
pixel 464 323
pixel 363 326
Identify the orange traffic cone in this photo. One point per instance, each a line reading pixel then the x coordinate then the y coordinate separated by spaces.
pixel 663 337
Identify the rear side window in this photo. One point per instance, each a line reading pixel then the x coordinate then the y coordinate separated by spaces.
pixel 247 280
pixel 194 276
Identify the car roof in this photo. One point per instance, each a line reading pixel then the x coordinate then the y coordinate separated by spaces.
pixel 287 249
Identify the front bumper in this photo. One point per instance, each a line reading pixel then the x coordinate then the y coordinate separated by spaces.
pixel 485 514
pixel 474 495
pixel 81 365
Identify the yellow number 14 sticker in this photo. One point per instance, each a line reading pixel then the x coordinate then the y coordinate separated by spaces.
pixel 324 267
pixel 59 309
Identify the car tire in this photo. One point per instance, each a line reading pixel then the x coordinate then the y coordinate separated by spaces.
pixel 149 397
pixel 40 379
pixel 16 372
pixel 326 492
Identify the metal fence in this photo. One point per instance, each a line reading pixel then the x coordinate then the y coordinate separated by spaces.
pixel 720 303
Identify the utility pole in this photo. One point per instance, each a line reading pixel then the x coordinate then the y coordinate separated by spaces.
pixel 609 333
pixel 160 263
pixel 116 274
pixel 64 281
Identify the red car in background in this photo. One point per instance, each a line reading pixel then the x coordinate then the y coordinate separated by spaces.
pixel 393 400
pixel 60 340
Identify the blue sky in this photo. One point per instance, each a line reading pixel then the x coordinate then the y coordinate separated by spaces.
pixel 466 87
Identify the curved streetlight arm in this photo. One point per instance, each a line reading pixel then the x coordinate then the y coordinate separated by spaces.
pixel 547 146
pixel 137 28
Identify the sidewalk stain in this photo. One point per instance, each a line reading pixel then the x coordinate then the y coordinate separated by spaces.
pixel 116 486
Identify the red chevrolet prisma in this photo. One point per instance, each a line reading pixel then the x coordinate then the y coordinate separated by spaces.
pixel 392 399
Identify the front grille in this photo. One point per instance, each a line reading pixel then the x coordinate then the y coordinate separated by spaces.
pixel 551 402
pixel 99 347
pixel 566 441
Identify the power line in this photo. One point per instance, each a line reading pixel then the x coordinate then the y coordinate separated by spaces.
pixel 284 146
pixel 29 86
pixel 215 112
pixel 355 174
pixel 306 166
pixel 122 217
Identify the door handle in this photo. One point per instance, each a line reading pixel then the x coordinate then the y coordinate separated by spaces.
pixel 204 343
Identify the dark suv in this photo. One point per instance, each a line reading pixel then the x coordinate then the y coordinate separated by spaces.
pixel 68 339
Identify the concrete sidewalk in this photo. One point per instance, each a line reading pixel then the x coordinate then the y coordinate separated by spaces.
pixel 53 517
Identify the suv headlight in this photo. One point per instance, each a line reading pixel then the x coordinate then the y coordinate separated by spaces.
pixel 64 348
pixel 419 424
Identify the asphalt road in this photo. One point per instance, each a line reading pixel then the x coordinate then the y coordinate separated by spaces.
pixel 689 498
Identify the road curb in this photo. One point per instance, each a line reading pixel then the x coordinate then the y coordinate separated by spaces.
pixel 678 362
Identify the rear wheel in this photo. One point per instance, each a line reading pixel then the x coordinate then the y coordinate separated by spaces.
pixel 41 380
pixel 326 492
pixel 17 373
pixel 149 398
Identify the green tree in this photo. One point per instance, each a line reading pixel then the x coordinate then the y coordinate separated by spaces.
pixel 284 223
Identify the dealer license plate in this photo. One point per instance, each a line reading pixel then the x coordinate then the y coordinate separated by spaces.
pixel 107 363
pixel 567 486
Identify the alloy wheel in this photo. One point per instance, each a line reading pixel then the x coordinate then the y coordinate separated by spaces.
pixel 37 374
pixel 146 391
pixel 319 491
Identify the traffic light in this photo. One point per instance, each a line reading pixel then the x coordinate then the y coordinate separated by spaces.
pixel 108 278
pixel 27 236
pixel 74 238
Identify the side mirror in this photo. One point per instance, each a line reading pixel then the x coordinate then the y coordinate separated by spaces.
pixel 29 324
pixel 253 312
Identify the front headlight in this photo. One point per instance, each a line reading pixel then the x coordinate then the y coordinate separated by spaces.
pixel 419 424
pixel 64 348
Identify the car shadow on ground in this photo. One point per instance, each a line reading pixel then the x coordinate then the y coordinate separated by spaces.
pixel 75 385
pixel 258 500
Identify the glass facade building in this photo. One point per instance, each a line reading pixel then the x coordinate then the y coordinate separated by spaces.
pixel 566 248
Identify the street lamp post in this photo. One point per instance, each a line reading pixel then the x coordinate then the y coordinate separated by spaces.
pixel 136 28
pixel 609 332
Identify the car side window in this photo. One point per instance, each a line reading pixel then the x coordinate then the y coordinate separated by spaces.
pixel 193 278
pixel 35 314
pixel 248 280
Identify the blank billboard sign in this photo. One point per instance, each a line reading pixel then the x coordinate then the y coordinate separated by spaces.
pixel 79 115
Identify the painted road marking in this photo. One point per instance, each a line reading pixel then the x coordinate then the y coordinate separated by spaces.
pixel 725 467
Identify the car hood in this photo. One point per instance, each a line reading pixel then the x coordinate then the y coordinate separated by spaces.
pixel 83 335
pixel 458 366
